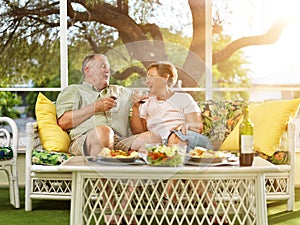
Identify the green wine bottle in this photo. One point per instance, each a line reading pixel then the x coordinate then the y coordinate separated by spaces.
pixel 246 139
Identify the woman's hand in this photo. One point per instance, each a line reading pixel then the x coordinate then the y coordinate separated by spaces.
pixel 139 97
pixel 192 122
pixel 183 128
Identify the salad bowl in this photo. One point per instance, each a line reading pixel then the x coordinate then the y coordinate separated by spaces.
pixel 166 155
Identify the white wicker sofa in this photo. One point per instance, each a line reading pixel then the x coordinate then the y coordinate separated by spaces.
pixel 38 185
pixel 57 186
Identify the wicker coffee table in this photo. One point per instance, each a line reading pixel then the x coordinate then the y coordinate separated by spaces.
pixel 141 194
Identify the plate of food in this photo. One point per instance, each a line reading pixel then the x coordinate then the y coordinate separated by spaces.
pixel 202 155
pixel 117 156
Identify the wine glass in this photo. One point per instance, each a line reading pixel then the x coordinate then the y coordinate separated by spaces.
pixel 143 95
pixel 113 93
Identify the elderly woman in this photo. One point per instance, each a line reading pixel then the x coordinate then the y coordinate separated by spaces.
pixel 166 117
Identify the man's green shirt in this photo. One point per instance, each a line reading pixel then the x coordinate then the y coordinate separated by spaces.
pixel 77 96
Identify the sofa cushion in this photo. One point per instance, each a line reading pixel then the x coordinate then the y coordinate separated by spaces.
pixel 42 157
pixel 270 119
pixel 6 153
pixel 53 138
pixel 231 143
pixel 219 119
pixel 279 157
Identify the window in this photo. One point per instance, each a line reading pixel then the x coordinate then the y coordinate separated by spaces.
pixel 267 71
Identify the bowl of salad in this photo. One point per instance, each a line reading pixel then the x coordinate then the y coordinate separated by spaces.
pixel 165 155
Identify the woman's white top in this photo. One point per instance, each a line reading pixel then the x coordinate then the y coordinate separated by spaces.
pixel 163 116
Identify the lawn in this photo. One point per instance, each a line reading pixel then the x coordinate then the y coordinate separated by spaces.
pixel 58 212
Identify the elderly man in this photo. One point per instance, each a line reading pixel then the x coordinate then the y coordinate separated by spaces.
pixel 94 113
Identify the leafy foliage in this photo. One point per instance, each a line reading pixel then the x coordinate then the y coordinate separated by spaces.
pixel 231 72
pixel 8 101
pixel 32 27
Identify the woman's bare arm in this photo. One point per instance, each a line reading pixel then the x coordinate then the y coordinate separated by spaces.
pixel 137 124
pixel 193 122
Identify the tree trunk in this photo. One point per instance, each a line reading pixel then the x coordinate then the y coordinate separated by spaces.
pixel 194 67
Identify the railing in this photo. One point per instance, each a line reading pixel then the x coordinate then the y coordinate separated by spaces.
pixel 256 93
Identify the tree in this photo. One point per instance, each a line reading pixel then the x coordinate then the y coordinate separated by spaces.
pixel 8 101
pixel 115 17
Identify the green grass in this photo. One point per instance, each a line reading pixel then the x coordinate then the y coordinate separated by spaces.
pixel 277 214
pixel 44 212
pixel 58 212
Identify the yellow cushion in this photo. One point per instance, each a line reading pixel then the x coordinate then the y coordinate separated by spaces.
pixel 53 138
pixel 270 120
pixel 231 143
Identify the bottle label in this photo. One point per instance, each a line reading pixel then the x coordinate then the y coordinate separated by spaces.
pixel 246 144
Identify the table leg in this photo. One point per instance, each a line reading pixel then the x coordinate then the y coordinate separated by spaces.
pixel 76 200
pixel 261 203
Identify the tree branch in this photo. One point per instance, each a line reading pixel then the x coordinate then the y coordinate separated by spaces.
pixel 269 38
pixel 10 36
pixel 127 72
pixel 46 10
pixel 153 30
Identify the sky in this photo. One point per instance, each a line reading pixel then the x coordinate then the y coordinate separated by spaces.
pixel 255 17
pixel 276 63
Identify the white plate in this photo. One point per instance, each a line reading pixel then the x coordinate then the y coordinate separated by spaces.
pixel 206 160
pixel 118 160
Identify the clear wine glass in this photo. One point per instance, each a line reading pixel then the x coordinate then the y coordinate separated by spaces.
pixel 114 94
pixel 143 94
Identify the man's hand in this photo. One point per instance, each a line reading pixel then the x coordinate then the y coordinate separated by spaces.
pixel 104 104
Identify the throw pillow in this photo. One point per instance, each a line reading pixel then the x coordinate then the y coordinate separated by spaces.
pixel 219 118
pixel 231 143
pixel 53 138
pixel 6 153
pixel 42 157
pixel 270 120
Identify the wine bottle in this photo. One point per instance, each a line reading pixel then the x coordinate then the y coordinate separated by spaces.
pixel 246 139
